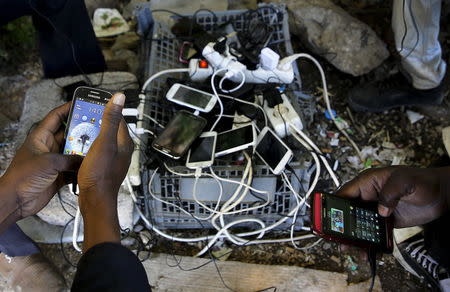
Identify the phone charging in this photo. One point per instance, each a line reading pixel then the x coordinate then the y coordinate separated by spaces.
pixel 202 151
pixel 273 151
pixel 235 140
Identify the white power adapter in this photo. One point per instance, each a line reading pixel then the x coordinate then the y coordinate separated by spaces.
pixel 269 59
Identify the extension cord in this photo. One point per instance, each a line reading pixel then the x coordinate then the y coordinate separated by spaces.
pixel 281 116
pixel 282 73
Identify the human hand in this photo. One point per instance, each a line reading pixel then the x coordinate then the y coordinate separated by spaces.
pixel 35 173
pixel 101 174
pixel 414 196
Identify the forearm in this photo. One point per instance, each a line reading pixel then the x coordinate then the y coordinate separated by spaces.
pixel 9 205
pixel 101 223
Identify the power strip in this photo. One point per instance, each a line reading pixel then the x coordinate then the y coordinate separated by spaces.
pixel 281 115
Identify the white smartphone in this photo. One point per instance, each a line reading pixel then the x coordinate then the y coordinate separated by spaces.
pixel 235 140
pixel 273 151
pixel 191 97
pixel 202 151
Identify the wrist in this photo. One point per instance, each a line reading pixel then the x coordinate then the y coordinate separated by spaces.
pixel 92 201
pixel 10 207
pixel 101 222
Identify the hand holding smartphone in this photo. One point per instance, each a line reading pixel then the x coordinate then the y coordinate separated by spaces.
pixel 85 119
pixel 351 222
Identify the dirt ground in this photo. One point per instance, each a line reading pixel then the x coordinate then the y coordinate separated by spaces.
pixel 418 144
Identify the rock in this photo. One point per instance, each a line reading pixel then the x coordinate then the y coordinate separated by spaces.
pixel 329 31
pixel 108 54
pixel 446 139
pixel 326 246
pixel 127 12
pixel 4 121
pixel 335 259
pixel 54 214
pixel 130 57
pixel 12 95
pixel 129 40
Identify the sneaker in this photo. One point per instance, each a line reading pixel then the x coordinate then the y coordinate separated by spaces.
pixel 30 273
pixel 413 256
pixel 392 92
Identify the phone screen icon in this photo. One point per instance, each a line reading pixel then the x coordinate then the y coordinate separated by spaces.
pixel 83 132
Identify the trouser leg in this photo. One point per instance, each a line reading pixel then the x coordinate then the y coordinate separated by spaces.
pixel 416 28
pixel 67 42
pixel 10 10
pixel 13 242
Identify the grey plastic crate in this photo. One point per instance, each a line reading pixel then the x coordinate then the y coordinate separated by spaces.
pixel 161 53
pixel 178 190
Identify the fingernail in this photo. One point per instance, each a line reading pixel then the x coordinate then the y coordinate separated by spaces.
pixel 383 210
pixel 119 99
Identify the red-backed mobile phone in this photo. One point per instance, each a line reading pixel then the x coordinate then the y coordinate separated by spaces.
pixel 351 222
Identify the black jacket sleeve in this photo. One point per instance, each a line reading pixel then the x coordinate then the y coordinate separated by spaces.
pixel 110 267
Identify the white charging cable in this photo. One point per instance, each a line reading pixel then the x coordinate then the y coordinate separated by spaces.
pixel 76 225
pixel 218 98
pixel 235 88
pixel 156 75
pixel 310 146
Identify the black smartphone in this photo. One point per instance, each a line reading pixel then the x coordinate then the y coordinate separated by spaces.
pixel 179 134
pixel 351 222
pixel 85 118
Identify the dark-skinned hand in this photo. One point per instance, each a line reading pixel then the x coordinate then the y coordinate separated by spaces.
pixel 36 172
pixel 101 174
pixel 414 196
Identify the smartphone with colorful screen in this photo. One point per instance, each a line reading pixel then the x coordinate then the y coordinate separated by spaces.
pixel 351 222
pixel 85 119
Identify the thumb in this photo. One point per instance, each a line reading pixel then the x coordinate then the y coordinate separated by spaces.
pixel 397 186
pixel 61 163
pixel 112 117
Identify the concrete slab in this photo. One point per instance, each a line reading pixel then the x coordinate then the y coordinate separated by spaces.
pixel 242 277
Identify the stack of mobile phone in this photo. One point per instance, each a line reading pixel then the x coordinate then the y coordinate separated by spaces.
pixel 185 127
pixel 181 132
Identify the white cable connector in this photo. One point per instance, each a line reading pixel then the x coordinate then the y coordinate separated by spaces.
pixel 130 112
